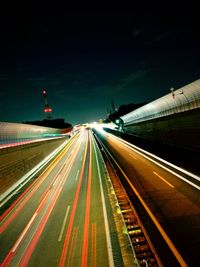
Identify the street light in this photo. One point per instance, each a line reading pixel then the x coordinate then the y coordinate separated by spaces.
pixel 119 123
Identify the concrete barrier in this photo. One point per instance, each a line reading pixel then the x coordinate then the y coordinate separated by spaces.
pixel 17 161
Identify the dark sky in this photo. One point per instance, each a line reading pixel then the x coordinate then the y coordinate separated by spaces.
pixel 86 58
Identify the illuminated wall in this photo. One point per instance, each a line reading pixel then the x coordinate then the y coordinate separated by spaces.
pixel 173 118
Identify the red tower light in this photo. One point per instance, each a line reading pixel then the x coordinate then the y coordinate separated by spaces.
pixel 47 108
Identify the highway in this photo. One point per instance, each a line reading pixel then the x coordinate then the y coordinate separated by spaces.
pixel 169 194
pixel 64 217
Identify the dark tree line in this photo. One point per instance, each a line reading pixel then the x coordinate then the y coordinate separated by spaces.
pixel 56 123
pixel 123 109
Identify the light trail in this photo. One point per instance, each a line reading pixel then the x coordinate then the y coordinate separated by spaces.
pixel 70 225
pixel 24 233
pixel 14 189
pixel 26 257
pixel 33 242
pixel 28 196
pixel 63 225
pixel 37 183
pixel 87 212
pixel 130 146
pixel 94 249
pixel 157 224
pixel 72 247
pixel 108 239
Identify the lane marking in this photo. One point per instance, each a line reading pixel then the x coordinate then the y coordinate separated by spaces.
pixel 132 156
pixel 107 230
pixel 163 179
pixel 27 195
pixel 162 166
pixel 77 175
pixel 69 229
pixel 34 239
pixel 31 246
pixel 157 224
pixel 63 225
pixel 14 189
pixel 55 182
pixel 24 233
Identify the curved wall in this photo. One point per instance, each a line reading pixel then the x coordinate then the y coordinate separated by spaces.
pixel 184 99
pixel 174 118
pixel 12 132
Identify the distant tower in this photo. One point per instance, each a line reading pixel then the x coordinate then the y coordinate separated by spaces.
pixel 47 108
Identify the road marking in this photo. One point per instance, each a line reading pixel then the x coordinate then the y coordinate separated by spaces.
pixel 157 224
pixel 77 174
pixel 7 194
pixel 133 156
pixel 69 228
pixel 24 233
pixel 163 180
pixel 29 250
pixel 63 225
pixel 81 158
pixel 55 181
pixel 109 245
pixel 35 238
pixel 131 146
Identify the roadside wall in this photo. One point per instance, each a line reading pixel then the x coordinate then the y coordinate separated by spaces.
pixel 181 129
pixel 17 161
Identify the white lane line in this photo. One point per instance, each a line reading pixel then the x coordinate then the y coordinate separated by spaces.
pixel 77 174
pixel 132 156
pixel 163 179
pixel 162 166
pixel 157 224
pixel 81 158
pixel 63 225
pixel 156 157
pixel 23 233
pixel 109 245
pixel 56 180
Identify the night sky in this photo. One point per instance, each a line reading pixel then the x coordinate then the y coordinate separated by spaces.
pixel 86 58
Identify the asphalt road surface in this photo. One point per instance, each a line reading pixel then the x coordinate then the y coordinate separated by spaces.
pixel 169 194
pixel 63 218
